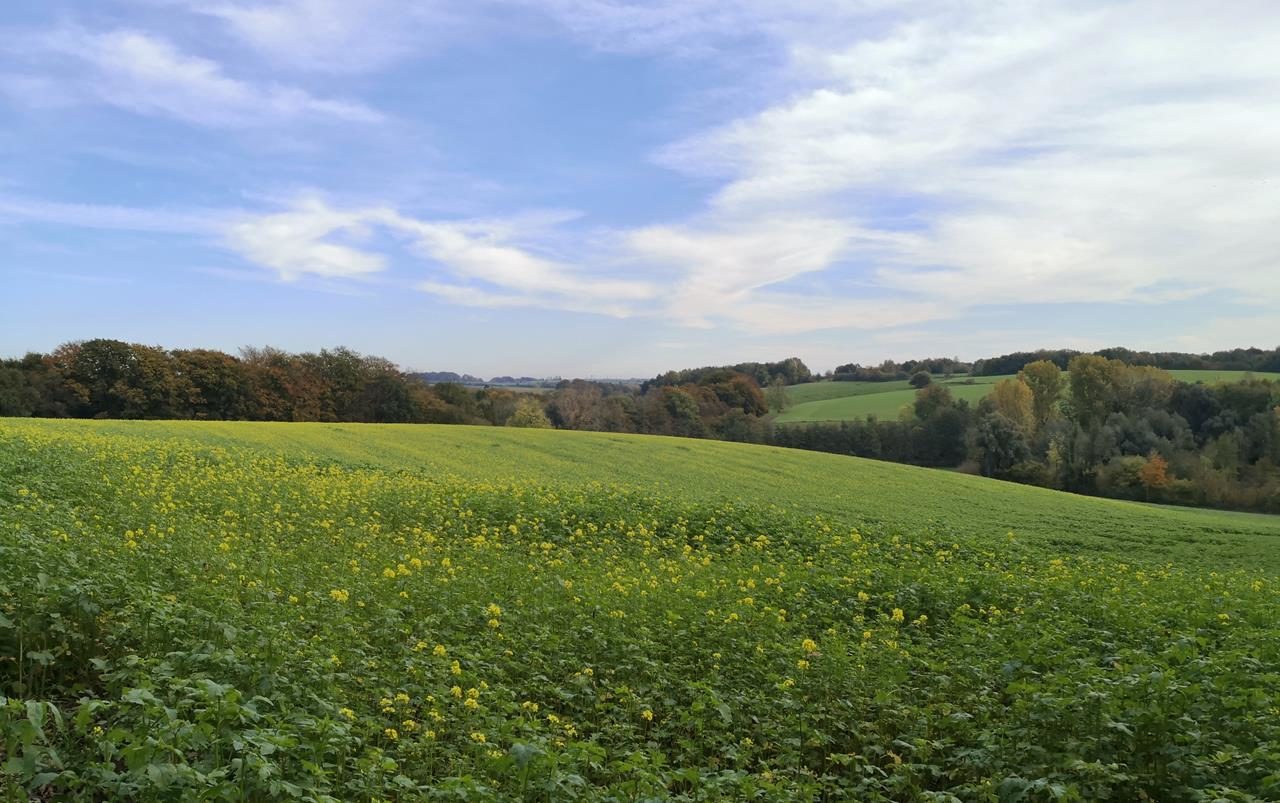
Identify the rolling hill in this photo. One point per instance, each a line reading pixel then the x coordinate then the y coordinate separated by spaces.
pixel 332 612
pixel 847 401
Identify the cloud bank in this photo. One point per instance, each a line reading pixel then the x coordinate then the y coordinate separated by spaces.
pixel 903 162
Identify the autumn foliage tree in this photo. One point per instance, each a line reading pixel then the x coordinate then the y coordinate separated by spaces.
pixel 1154 474
pixel 1045 380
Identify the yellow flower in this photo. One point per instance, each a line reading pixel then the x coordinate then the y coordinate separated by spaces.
pixel 866 635
pixel 339 595
pixel 529 705
pixel 898 616
pixel 347 712
pixel 647 715
pixel 471 703
pixel 809 645
pixel 493 609
pixel 402 698
pixel 802 664
pixel 456 691
pixel 440 651
pixel 478 737
pixel 409 725
pixel 863 596
pixel 392 733
pixel 455 668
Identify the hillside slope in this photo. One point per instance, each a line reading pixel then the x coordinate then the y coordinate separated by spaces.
pixel 828 401
pixel 354 612
pixel 908 498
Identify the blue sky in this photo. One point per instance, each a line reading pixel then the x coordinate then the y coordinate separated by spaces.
pixel 582 187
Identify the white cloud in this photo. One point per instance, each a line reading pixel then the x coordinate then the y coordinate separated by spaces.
pixel 485 269
pixel 148 75
pixel 927 158
pixel 294 243
pixel 333 35
pixel 1051 151
pixel 720 270
pixel 120 218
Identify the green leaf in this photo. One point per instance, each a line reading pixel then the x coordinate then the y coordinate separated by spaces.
pixel 1013 789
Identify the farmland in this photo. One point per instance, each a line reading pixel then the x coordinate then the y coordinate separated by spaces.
pixel 355 612
pixel 847 401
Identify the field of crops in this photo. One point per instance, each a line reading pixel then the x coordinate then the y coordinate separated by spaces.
pixel 360 612
pixel 850 401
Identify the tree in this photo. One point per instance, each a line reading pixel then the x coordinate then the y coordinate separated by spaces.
pixel 920 379
pixel 1000 445
pixel 1015 401
pixel 529 414
pixel 1154 474
pixel 1092 392
pixel 1045 380
pixel 930 399
pixel 17 396
pixel 777 394
pixel 219 384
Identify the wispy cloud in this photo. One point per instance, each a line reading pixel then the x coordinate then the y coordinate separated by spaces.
pixel 146 74
pixel 294 244
pixel 119 218
pixel 902 161
pixel 485 268
pixel 1053 151
pixel 334 35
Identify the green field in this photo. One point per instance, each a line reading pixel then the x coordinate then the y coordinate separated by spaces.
pixel 849 401
pixel 871 398
pixel 356 612
pixel 1210 377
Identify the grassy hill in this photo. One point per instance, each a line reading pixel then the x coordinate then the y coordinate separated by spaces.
pixel 261 611
pixel 848 401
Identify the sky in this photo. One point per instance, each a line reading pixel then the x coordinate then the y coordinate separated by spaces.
pixel 613 188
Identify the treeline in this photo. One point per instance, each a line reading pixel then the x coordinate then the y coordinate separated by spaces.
pixel 1251 359
pixel 1107 428
pixel 890 371
pixel 112 379
pixel 791 371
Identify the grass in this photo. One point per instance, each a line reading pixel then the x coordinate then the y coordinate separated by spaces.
pixel 1210 377
pixel 822 391
pixel 848 401
pixel 884 404
pixel 341 612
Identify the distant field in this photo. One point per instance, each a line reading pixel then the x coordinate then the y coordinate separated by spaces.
pixel 882 403
pixel 822 391
pixel 235 611
pixel 1209 377
pixel 848 401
